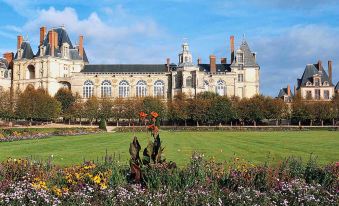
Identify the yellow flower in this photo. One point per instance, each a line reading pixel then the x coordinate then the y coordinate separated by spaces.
pixel 57 191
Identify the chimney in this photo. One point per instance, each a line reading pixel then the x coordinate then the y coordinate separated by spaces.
pixel 19 41
pixel 55 34
pixel 51 42
pixel 288 90
pixel 232 48
pixel 320 65
pixel 330 71
pixel 9 56
pixel 81 46
pixel 223 60
pixel 168 62
pixel 213 67
pixel 199 60
pixel 42 34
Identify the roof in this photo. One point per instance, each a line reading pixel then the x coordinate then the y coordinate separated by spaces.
pixel 249 59
pixel 3 63
pixel 62 38
pixel 283 92
pixel 27 51
pixel 309 72
pixel 219 67
pixel 125 68
pixel 337 86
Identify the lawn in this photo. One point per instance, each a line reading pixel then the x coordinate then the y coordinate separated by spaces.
pixel 256 147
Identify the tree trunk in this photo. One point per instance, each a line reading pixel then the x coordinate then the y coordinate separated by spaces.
pixel 197 123
pixel 311 123
pixel 333 123
pixel 185 123
pixel 276 122
pixel 80 120
pixel 322 123
pixel 255 123
pixel 299 123
pixel 231 123
pixel 69 121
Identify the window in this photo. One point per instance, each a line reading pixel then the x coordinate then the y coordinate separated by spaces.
pixel 141 88
pixel 325 83
pixel 220 89
pixel 240 77
pixel 30 72
pixel 317 94
pixel 206 85
pixel 106 89
pixel 159 88
pixel 317 82
pixel 88 89
pixel 123 89
pixel 326 94
pixel 189 81
pixel 240 58
pixel 308 95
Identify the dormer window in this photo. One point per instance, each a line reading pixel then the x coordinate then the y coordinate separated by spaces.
pixel 308 84
pixel 317 82
pixel 240 58
pixel 325 83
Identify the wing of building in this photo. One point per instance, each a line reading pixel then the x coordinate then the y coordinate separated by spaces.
pixel 59 63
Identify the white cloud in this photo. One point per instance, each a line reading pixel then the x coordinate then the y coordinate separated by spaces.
pixel 284 56
pixel 132 39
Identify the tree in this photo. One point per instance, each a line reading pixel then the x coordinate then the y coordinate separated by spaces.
pixel 133 107
pixel 119 108
pixel 37 105
pixel 251 109
pixel 6 110
pixel 197 109
pixel 106 108
pixel 91 108
pixel 178 109
pixel 275 109
pixel 323 111
pixel 220 110
pixel 65 97
pixel 154 104
pixel 300 111
pixel 77 108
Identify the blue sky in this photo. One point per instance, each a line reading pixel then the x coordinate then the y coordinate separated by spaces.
pixel 286 34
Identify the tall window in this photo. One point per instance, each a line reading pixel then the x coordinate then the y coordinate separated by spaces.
pixel 317 94
pixel 106 89
pixel 240 77
pixel 221 90
pixel 206 85
pixel 309 95
pixel 141 88
pixel 88 89
pixel 189 81
pixel 317 82
pixel 159 88
pixel 326 94
pixel 123 89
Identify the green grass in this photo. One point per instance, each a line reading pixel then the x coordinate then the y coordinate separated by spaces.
pixel 256 147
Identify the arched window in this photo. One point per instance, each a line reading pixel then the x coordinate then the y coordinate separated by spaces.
pixel 30 72
pixel 206 85
pixel 141 88
pixel 88 89
pixel 106 89
pixel 220 89
pixel 159 88
pixel 189 81
pixel 123 89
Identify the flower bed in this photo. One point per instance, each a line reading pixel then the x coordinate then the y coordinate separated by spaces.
pixel 8 135
pixel 201 182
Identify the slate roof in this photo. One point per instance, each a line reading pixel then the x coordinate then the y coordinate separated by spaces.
pixel 309 72
pixel 337 86
pixel 62 38
pixel 27 51
pixel 220 67
pixel 3 63
pixel 125 68
pixel 283 91
pixel 249 59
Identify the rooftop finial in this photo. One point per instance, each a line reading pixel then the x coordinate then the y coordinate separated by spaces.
pixel 243 37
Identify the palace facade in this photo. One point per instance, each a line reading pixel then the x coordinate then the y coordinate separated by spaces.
pixel 315 84
pixel 59 63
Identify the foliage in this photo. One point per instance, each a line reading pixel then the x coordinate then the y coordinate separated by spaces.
pixel 37 104
pixel 91 107
pixel 201 182
pixel 102 124
pixel 6 110
pixel 66 98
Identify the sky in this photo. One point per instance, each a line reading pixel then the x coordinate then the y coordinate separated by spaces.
pixel 285 34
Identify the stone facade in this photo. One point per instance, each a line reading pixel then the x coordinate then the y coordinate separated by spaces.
pixel 59 64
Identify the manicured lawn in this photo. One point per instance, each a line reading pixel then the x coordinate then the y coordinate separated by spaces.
pixel 256 147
